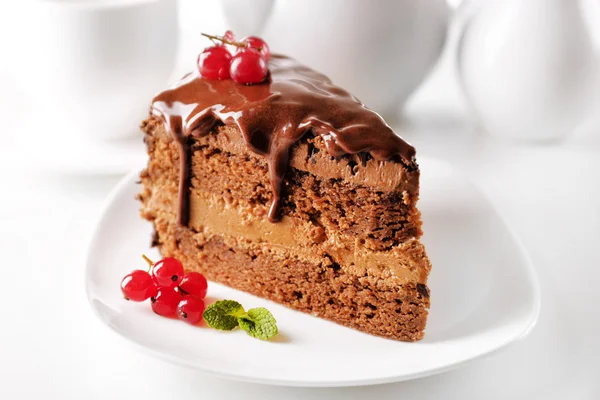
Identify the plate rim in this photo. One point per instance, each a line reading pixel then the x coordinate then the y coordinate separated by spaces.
pixel 528 268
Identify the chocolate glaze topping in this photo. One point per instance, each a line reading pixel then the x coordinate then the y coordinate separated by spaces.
pixel 272 117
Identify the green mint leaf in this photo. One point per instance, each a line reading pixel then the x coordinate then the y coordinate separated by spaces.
pixel 223 314
pixel 258 323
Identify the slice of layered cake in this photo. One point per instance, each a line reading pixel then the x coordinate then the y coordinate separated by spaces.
pixel 293 191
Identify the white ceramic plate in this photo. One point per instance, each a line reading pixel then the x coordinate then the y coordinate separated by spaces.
pixel 484 295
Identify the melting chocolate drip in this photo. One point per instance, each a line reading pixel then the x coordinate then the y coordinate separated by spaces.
pixel 272 117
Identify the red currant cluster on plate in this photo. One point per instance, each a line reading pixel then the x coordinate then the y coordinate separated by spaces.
pixel 244 62
pixel 171 292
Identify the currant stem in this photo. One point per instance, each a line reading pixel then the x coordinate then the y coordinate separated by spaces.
pixel 222 39
pixel 149 261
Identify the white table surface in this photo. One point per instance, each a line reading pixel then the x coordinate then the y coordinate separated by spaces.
pixel 51 344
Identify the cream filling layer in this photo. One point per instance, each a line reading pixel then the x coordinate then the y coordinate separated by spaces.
pixel 212 214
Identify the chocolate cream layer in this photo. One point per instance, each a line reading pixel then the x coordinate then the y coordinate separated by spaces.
pixel 211 214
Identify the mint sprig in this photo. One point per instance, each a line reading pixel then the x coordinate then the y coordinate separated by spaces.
pixel 222 315
pixel 226 315
pixel 259 323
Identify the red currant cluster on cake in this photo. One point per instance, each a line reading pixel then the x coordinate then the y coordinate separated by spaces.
pixel 244 62
pixel 171 292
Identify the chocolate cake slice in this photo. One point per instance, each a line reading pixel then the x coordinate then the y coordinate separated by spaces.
pixel 291 190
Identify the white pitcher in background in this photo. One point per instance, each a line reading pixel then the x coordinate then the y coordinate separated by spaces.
pixel 379 50
pixel 528 68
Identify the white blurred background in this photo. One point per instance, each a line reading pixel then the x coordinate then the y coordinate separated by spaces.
pixel 506 91
pixel 522 72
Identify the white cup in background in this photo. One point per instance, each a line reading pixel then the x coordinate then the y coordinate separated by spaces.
pixel 91 67
pixel 379 50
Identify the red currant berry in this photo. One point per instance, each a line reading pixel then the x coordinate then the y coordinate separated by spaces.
pixel 193 284
pixel 138 286
pixel 167 272
pixel 248 66
pixel 229 36
pixel 190 310
pixel 257 43
pixel 165 302
pixel 213 62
